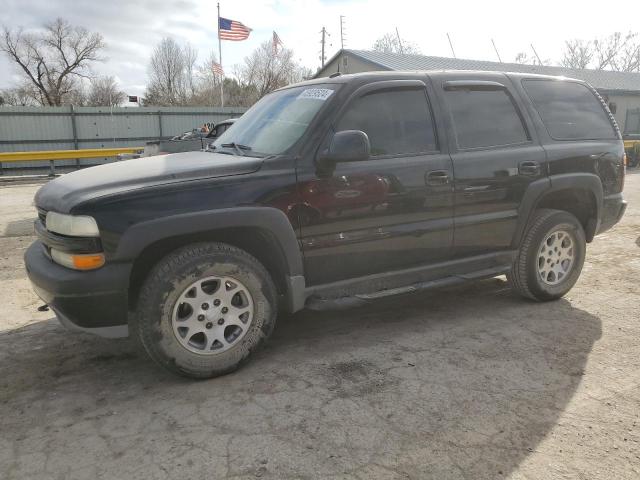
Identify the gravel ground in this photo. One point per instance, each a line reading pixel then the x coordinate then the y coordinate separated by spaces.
pixel 463 383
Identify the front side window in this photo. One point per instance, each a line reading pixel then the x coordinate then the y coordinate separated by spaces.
pixel 485 118
pixel 569 110
pixel 397 122
pixel 278 120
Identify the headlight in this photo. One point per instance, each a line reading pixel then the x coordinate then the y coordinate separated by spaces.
pixel 72 225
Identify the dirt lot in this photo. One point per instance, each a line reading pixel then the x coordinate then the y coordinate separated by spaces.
pixel 469 382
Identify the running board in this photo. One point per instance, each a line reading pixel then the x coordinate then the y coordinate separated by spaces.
pixel 317 303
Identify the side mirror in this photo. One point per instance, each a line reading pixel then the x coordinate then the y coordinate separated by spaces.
pixel 613 107
pixel 348 146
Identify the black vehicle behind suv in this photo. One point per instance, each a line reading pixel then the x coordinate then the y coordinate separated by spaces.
pixel 333 191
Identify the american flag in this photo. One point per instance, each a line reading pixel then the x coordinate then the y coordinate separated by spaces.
pixel 217 69
pixel 232 30
pixel 276 42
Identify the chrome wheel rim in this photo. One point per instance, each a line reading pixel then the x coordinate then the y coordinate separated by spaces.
pixel 212 315
pixel 556 257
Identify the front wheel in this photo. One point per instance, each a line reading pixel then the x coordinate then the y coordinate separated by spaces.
pixel 551 256
pixel 204 308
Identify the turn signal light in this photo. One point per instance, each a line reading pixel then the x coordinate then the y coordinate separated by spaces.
pixel 89 261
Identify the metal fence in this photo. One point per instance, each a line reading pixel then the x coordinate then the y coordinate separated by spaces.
pixel 73 128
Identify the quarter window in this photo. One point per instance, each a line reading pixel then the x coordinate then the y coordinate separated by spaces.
pixel 569 110
pixel 485 118
pixel 396 121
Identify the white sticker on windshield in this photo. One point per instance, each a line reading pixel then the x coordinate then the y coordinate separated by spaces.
pixel 316 93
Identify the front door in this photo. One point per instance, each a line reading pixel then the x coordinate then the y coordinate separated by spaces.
pixel 392 211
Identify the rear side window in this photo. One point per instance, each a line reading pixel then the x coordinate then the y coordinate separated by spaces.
pixel 396 121
pixel 485 118
pixel 569 110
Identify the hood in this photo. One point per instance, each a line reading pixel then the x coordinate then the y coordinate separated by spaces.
pixel 71 189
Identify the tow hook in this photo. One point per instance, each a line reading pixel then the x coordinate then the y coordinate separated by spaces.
pixel 43 308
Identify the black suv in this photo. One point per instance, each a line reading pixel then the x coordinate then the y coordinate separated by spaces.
pixel 332 192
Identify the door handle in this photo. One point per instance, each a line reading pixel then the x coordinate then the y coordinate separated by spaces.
pixel 437 177
pixel 529 168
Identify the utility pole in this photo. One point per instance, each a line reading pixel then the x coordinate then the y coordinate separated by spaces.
pixel 536 54
pixel 342 33
pixel 399 41
pixel 322 57
pixel 496 49
pixel 451 45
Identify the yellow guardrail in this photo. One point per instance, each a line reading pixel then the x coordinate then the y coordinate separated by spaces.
pixel 631 143
pixel 65 154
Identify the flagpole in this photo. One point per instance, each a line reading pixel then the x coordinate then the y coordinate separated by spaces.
pixel 220 60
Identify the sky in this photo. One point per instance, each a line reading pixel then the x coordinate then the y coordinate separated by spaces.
pixel 132 28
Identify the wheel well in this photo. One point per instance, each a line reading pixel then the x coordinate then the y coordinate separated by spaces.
pixel 581 203
pixel 258 242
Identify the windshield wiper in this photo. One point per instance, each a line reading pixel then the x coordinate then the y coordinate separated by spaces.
pixel 238 147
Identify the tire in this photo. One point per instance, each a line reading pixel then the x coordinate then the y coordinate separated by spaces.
pixel 180 335
pixel 549 273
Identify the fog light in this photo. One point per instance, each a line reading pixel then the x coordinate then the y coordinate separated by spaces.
pixel 78 261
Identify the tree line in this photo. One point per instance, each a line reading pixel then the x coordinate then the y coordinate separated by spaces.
pixel 55 66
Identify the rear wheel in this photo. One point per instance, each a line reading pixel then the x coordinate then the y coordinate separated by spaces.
pixel 551 256
pixel 204 309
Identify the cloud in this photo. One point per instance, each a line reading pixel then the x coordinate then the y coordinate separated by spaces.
pixel 132 28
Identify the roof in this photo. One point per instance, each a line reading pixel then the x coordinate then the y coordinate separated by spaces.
pixel 601 79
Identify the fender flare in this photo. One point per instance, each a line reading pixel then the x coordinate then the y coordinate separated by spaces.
pixel 274 221
pixel 538 189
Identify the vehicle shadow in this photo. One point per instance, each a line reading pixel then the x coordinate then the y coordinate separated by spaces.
pixel 457 383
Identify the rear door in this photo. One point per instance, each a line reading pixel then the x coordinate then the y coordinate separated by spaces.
pixel 495 158
pixel 389 212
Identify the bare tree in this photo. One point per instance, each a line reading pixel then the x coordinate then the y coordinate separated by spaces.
pixel 617 52
pixel 172 73
pixel 578 54
pixel 190 58
pixel 525 59
pixel 54 60
pixel 606 50
pixel 626 57
pixel 175 77
pixel 207 82
pixel 265 71
pixel 390 43
pixel 104 91
pixel 21 96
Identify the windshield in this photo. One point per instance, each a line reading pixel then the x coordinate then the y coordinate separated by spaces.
pixel 277 121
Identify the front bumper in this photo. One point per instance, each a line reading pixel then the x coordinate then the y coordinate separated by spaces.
pixel 93 301
pixel 613 208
